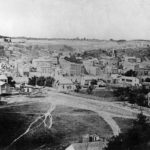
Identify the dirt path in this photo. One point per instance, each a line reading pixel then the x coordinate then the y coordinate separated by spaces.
pixel 107 110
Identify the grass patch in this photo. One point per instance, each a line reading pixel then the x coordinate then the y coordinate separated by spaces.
pixel 69 124
pixel 124 123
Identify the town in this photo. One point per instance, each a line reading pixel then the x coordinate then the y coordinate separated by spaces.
pixel 74 75
pixel 112 75
pixel 68 69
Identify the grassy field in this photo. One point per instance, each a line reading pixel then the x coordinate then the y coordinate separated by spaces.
pixel 123 123
pixel 101 94
pixel 69 124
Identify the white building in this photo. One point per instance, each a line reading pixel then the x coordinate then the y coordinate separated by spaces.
pixel 127 81
pixel 92 66
pixel 87 146
pixel 86 80
pixel 64 85
pixel 45 66
pixel 4 87
pixel 71 68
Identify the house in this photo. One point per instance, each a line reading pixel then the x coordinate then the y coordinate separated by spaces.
pixel 90 138
pixel 4 88
pixel 27 89
pixel 86 80
pixel 64 85
pixel 3 78
pixel 125 81
pixel 99 145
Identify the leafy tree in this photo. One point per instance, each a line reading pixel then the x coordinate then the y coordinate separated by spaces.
pixel 49 81
pixel 78 87
pixel 11 82
pixel 94 82
pixel 132 95
pixel 41 81
pixel 131 73
pixel 90 89
pixel 147 80
pixel 33 81
pixel 135 138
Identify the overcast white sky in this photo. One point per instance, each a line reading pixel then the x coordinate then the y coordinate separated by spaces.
pixel 103 19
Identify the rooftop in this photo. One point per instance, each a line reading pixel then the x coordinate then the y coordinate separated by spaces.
pixel 87 146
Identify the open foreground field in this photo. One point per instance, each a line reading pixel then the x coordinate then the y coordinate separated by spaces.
pixel 69 124
pixel 72 117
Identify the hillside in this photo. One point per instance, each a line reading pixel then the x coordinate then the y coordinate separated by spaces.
pixel 32 47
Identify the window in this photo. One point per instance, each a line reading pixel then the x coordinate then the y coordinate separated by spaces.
pixel 128 80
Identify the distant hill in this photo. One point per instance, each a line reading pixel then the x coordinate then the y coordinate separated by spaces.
pixel 1 36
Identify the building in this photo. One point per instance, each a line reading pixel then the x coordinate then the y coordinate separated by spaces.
pixel 91 62
pixel 45 66
pixel 27 89
pixel 143 70
pixel 4 88
pixel 86 80
pixel 87 146
pixel 130 59
pixel 63 84
pixel 130 63
pixel 20 80
pixel 111 61
pixel 71 68
pixel 125 81
pixel 92 66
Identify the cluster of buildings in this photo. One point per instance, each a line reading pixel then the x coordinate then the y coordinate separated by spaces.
pixel 89 142
pixel 106 69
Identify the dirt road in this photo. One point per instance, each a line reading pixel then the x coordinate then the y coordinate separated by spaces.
pixel 107 110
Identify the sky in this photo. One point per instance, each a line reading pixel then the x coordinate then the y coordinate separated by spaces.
pixel 101 19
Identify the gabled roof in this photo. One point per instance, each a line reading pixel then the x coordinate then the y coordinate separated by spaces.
pixel 3 77
pixel 63 80
pixel 2 83
pixel 88 146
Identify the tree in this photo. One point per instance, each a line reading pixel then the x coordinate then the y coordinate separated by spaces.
pixel 94 82
pixel 132 95
pixel 41 81
pixel 135 138
pixel 11 82
pixel 131 73
pixel 33 81
pixel 90 89
pixel 49 81
pixel 78 87
pixel 147 80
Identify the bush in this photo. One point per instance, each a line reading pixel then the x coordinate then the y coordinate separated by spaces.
pixel 90 89
pixel 11 82
pixel 41 81
pixel 133 96
pixel 147 80
pixel 136 138
pixel 131 73
pixel 78 87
